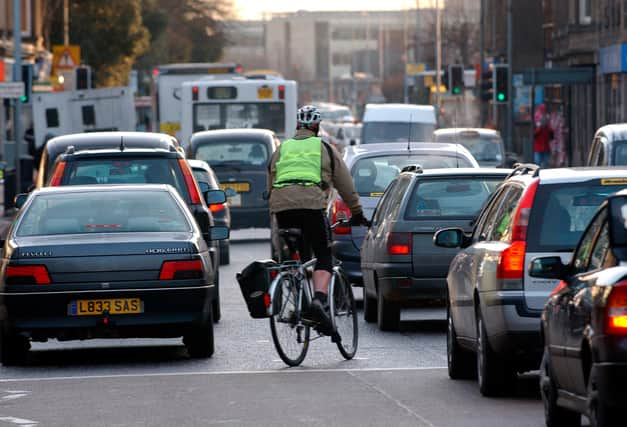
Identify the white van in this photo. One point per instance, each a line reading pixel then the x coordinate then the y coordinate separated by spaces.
pixel 398 123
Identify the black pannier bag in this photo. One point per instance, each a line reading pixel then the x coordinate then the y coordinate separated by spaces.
pixel 254 282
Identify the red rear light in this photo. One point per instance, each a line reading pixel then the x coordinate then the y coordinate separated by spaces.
pixel 239 69
pixel 181 270
pixel 194 93
pixel 512 262
pixel 155 71
pixel 217 207
pixel 341 212
pixel 521 217
pixel 399 243
pixel 27 275
pixel 281 91
pixel 190 183
pixel 616 310
pixel 57 175
pixel 561 285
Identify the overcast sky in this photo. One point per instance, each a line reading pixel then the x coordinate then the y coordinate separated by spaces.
pixel 253 9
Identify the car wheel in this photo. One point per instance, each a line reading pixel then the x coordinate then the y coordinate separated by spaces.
pixel 199 341
pixel 225 252
pixel 493 374
pixel 554 416
pixel 388 314
pixel 599 413
pixel 370 308
pixel 215 304
pixel 461 363
pixel 13 349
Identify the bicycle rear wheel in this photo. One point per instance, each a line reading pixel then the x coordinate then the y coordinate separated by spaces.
pixel 344 315
pixel 290 336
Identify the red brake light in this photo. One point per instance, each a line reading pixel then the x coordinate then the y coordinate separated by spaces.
pixel 57 175
pixel 217 207
pixel 155 71
pixel 190 183
pixel 239 69
pixel 521 217
pixel 181 270
pixel 616 310
pixel 194 93
pixel 27 275
pixel 512 262
pixel 340 212
pixel 399 243
pixel 281 91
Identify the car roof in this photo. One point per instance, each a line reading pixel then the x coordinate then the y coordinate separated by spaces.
pixel 117 152
pixel 574 174
pixel 228 134
pixel 103 140
pixel 399 113
pixel 480 131
pixel 198 164
pixel 462 172
pixel 104 187
pixel 614 132
pixel 355 152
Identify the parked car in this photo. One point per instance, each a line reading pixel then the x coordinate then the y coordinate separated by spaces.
pixel 115 261
pixel 373 167
pixel 220 211
pixel 494 306
pixel 609 146
pixel 397 123
pixel 105 158
pixel 486 145
pixel 399 262
pixel 240 159
pixel 584 324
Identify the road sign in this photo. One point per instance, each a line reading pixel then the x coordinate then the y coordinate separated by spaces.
pixel 66 57
pixel 413 69
pixel 12 90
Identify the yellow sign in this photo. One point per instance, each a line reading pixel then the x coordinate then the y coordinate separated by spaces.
pixel 170 128
pixel 264 92
pixel 91 307
pixel 66 57
pixel 413 69
pixel 240 187
pixel 614 181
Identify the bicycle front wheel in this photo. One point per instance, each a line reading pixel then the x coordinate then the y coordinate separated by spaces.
pixel 290 336
pixel 344 315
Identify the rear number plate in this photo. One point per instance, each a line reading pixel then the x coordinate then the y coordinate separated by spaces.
pixel 94 307
pixel 240 187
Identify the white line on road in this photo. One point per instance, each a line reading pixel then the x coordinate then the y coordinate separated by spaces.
pixel 181 374
pixel 20 421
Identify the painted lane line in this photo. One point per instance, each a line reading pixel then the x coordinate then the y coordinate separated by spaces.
pixel 19 421
pixel 192 373
pixel 14 394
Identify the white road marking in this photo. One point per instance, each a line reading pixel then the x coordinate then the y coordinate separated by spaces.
pixel 15 394
pixel 20 421
pixel 182 374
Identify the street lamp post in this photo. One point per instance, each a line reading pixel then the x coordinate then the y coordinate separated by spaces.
pixel 17 77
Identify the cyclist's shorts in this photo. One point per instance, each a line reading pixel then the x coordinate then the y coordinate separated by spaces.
pixel 316 233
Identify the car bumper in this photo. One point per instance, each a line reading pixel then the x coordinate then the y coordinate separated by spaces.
pixel 610 382
pixel 345 252
pixel 167 312
pixel 398 284
pixel 250 217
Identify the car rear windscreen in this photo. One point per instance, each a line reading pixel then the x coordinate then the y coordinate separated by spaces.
pixel 372 175
pixel 234 153
pixel 103 212
pixel 375 132
pixel 620 153
pixel 561 213
pixel 485 149
pixel 460 197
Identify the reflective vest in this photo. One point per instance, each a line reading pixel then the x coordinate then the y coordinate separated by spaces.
pixel 300 163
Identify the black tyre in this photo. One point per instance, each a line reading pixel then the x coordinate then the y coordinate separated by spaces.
pixel 290 336
pixel 344 316
pixel 554 416
pixel 13 349
pixel 199 341
pixel 493 374
pixel 388 313
pixel 225 252
pixel 217 311
pixel 599 413
pixel 461 363
pixel 370 308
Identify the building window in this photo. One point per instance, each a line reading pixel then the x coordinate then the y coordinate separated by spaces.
pixel 585 12
pixel 624 13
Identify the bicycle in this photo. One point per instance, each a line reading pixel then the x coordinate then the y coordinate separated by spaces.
pixel 291 294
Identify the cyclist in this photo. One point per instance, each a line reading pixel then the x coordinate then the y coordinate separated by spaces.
pixel 302 172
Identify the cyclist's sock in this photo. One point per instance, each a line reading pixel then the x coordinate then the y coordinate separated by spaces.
pixel 321 296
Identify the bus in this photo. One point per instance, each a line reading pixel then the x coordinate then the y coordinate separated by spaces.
pixel 166 90
pixel 239 102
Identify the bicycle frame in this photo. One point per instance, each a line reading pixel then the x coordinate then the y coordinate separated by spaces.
pixel 303 291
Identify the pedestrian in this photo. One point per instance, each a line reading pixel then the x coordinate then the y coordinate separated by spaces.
pixel 542 136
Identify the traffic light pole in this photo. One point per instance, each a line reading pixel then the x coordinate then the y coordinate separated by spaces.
pixel 510 104
pixel 482 109
pixel 17 77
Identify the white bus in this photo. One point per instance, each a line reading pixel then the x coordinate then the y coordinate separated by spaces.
pixel 166 90
pixel 239 102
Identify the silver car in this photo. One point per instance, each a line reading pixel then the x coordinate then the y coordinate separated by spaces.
pixel 373 167
pixel 486 145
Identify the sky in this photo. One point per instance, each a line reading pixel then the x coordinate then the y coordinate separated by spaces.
pixel 253 9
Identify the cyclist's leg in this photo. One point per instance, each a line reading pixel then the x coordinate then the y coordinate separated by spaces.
pixel 317 233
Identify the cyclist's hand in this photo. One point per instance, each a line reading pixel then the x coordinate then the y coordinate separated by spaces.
pixel 359 219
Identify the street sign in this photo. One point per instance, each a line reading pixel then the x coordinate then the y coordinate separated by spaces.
pixel 12 90
pixel 564 76
pixel 66 57
pixel 413 69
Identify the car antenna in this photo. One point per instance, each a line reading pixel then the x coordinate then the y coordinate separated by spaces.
pixel 411 116
pixel 121 143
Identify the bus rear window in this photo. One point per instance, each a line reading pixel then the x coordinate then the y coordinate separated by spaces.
pixel 260 115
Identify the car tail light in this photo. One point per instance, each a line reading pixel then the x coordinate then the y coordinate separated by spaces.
pixel 399 243
pixel 239 69
pixel 194 93
pixel 521 217
pixel 616 309
pixel 27 275
pixel 341 212
pixel 190 183
pixel 217 207
pixel 281 91
pixel 173 270
pixel 57 175
pixel 512 262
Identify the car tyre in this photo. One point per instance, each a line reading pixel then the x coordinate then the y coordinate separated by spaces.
pixel 225 252
pixel 215 304
pixel 370 308
pixel 600 414
pixel 460 362
pixel 554 416
pixel 388 313
pixel 493 374
pixel 13 349
pixel 199 341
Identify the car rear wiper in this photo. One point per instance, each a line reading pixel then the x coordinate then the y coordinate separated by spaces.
pixel 230 164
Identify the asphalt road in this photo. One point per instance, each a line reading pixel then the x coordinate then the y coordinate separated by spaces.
pixel 396 379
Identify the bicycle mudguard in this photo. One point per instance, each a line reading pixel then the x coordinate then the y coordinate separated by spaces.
pixel 254 282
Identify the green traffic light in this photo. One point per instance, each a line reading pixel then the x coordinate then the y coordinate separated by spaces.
pixel 456 91
pixel 23 98
pixel 500 97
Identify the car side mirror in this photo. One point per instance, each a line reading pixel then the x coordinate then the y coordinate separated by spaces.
pixel 449 238
pixel 547 267
pixel 217 233
pixel 203 187
pixel 19 200
pixel 214 197
pixel 353 142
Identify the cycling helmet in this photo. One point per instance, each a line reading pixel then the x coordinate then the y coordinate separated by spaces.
pixel 308 116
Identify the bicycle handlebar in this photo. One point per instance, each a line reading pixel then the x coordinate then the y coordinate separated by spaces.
pixel 340 223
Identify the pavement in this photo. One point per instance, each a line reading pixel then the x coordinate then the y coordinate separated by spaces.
pixel 6 216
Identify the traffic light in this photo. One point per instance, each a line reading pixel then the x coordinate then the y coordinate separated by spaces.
pixel 487 85
pixel 82 77
pixel 456 79
pixel 501 83
pixel 444 79
pixel 27 78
